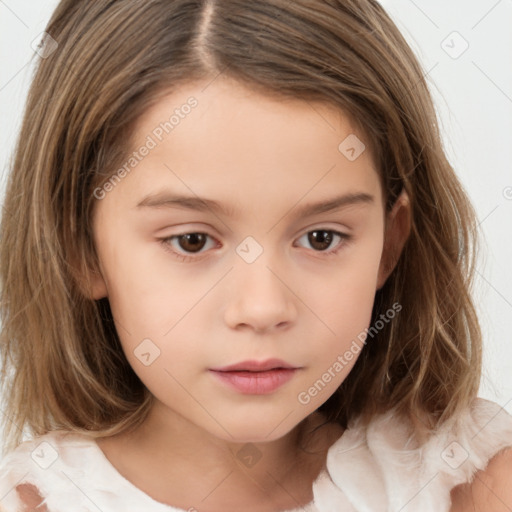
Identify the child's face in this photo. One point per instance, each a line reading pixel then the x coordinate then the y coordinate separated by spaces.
pixel 257 287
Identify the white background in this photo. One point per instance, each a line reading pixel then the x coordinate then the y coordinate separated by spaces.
pixel 473 95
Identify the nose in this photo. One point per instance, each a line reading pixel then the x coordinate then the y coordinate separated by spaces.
pixel 259 298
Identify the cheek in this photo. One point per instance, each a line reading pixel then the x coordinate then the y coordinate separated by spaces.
pixel 146 294
pixel 138 300
pixel 345 306
pixel 347 299
pixel 156 306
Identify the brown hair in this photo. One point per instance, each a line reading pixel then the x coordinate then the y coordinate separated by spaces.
pixel 63 366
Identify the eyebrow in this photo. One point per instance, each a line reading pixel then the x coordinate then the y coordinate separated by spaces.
pixel 169 200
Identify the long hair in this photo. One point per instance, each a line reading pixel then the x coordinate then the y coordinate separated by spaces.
pixel 103 65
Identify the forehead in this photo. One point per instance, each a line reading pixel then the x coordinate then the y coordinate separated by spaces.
pixel 224 140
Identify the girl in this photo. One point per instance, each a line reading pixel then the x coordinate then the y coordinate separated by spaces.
pixel 317 349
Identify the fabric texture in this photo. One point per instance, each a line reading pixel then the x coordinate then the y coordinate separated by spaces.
pixel 380 468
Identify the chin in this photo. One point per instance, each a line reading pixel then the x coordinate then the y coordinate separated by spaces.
pixel 257 428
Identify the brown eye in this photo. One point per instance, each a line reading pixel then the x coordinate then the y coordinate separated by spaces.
pixel 189 246
pixel 192 242
pixel 320 240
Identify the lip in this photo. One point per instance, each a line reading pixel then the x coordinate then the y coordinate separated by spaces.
pixel 255 366
pixel 256 377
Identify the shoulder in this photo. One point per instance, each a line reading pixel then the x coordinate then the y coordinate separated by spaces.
pixel 63 471
pixel 37 468
pixel 43 451
pixel 477 458
pixel 490 489
pixel 408 471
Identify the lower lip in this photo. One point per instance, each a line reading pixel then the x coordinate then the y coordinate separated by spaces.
pixel 256 383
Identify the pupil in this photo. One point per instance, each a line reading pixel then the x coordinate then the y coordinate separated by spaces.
pixel 323 238
pixel 192 242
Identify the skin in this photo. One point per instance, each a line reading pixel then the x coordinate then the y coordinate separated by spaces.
pixel 490 489
pixel 263 158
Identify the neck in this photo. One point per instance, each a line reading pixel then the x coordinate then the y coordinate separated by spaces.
pixel 178 463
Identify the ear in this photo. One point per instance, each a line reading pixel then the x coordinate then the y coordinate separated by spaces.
pixel 396 232
pixel 97 285
pixel 90 281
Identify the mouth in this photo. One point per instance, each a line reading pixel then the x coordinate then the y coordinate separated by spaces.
pixel 256 377
pixel 256 366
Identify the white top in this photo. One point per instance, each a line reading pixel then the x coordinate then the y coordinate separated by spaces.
pixel 373 469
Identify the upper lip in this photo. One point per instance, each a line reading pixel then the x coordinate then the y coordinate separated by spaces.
pixel 255 366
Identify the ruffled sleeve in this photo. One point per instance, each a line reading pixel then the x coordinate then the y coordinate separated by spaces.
pixel 378 468
pixel 383 468
pixel 69 472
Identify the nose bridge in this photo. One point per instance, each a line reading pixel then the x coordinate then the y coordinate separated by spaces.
pixel 260 277
pixel 258 295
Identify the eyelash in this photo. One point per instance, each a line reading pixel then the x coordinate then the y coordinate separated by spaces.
pixel 166 243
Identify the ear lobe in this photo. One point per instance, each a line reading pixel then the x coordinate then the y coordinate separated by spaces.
pixel 97 286
pixel 397 229
pixel 91 282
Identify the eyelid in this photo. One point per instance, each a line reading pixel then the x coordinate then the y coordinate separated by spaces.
pixel 165 242
pixel 344 238
pixel 326 225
